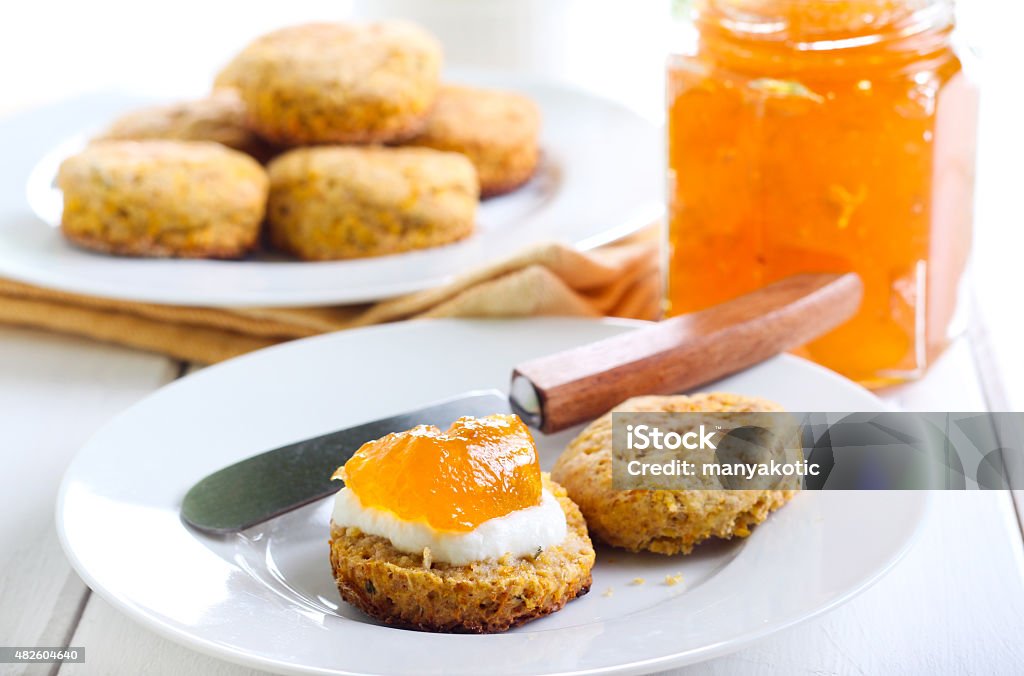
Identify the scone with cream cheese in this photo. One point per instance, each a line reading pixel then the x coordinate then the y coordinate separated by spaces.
pixel 457 531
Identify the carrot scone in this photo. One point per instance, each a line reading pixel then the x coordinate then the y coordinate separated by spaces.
pixel 337 83
pixel 186 199
pixel 457 531
pixel 662 521
pixel 219 117
pixel 351 202
pixel 497 130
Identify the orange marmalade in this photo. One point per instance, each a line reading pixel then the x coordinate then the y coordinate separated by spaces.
pixel 825 136
pixel 479 469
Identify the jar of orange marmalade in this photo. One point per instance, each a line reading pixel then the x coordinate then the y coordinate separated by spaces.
pixel 825 136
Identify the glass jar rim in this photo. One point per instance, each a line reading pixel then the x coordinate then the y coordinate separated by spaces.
pixel 765 21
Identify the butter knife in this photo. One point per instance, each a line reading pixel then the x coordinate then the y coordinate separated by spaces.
pixel 549 393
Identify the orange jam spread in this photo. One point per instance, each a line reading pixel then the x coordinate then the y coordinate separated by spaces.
pixel 479 469
pixel 825 136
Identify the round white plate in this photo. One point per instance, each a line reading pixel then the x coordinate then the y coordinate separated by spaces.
pixel 266 598
pixel 600 178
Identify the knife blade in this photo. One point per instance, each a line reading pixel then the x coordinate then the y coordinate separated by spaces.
pixel 278 481
pixel 550 393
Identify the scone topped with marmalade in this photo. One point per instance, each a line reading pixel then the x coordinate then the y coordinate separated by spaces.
pixel 457 531
pixel 337 82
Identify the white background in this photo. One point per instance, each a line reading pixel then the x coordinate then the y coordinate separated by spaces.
pixel 53 49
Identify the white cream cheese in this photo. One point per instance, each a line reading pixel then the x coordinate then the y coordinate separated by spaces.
pixel 519 533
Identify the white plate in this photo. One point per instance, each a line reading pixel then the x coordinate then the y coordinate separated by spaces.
pixel 601 178
pixel 266 598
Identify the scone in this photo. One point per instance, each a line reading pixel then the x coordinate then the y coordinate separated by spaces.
pixel 497 130
pixel 662 521
pixel 187 199
pixel 337 83
pixel 457 531
pixel 350 202
pixel 220 117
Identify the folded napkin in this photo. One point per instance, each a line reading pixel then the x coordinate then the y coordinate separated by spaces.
pixel 620 280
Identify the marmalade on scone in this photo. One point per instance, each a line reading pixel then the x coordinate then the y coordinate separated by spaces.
pixel 479 469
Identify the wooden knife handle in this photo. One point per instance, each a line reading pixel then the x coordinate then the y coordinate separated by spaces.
pixel 674 355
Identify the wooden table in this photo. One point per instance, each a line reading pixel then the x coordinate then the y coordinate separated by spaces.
pixel 955 604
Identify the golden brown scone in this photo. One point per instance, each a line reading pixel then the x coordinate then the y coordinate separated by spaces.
pixel 220 117
pixel 662 521
pixel 337 83
pixel 404 590
pixel 350 202
pixel 189 199
pixel 498 131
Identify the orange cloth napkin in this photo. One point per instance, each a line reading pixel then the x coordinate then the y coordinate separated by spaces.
pixel 621 280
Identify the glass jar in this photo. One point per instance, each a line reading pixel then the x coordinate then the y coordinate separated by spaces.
pixel 825 136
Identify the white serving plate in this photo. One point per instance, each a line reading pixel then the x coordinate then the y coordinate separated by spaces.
pixel 266 598
pixel 600 179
